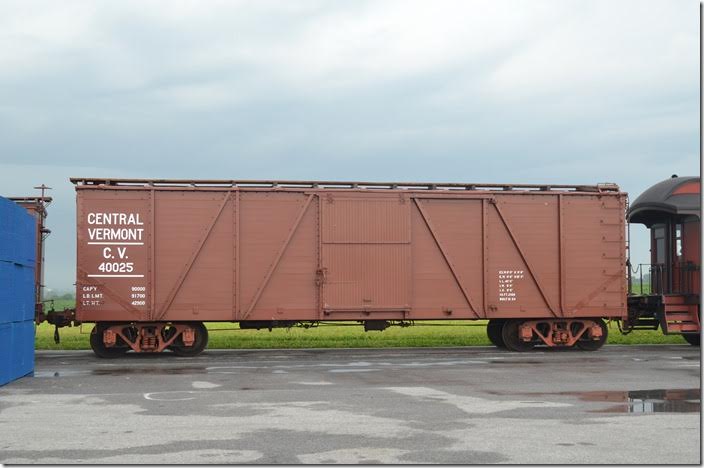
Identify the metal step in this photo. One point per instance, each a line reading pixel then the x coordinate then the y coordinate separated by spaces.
pixel 680 317
pixel 646 324
pixel 682 328
pixel 674 299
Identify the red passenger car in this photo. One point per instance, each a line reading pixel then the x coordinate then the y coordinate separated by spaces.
pixel 157 258
pixel 667 292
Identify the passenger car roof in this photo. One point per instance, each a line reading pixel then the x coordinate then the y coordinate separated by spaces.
pixel 676 196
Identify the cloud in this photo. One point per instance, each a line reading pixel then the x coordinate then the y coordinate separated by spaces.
pixel 486 91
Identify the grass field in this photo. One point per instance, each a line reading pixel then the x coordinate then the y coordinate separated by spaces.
pixel 348 335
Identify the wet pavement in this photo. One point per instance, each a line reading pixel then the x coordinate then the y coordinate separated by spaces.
pixel 622 404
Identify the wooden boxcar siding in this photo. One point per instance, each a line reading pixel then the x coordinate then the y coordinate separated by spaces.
pixel 285 254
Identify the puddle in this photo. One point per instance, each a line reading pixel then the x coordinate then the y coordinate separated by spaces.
pixel 117 371
pixel 68 373
pixel 149 371
pixel 522 361
pixel 646 401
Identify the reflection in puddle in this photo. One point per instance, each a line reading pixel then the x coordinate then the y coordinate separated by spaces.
pixel 646 401
pixel 150 371
pixel 70 373
pixel 117 371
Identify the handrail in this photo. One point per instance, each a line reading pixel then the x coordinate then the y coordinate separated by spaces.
pixel 664 279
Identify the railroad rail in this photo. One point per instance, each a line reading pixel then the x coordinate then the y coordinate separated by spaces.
pixel 319 184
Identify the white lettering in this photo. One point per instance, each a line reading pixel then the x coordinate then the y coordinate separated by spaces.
pixel 115 234
pixel 121 219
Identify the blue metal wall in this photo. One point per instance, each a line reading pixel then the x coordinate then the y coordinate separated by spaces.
pixel 17 263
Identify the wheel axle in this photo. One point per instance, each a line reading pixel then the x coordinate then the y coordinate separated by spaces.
pixel 523 335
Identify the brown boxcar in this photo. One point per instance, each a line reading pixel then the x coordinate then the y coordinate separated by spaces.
pixel 156 258
pixel 36 207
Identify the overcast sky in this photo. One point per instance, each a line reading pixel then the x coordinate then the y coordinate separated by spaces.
pixel 469 91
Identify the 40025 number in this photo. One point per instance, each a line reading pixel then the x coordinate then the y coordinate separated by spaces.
pixel 116 267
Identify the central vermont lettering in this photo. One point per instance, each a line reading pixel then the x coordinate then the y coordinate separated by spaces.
pixel 115 233
pixel 115 218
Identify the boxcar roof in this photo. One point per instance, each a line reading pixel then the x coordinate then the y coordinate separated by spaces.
pixel 319 184
pixel 31 199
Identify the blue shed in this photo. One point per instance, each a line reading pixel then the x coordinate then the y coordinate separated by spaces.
pixel 17 291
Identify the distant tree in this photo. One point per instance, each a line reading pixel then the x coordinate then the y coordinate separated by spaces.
pixel 54 294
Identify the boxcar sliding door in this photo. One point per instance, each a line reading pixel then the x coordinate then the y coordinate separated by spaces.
pixel 366 256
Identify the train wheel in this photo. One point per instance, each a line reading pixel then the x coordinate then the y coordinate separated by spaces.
pixel 98 346
pixel 201 341
pixel 692 338
pixel 585 343
pixel 511 338
pixel 493 331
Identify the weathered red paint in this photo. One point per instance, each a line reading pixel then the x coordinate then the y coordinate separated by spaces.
pixel 309 251
pixel 692 187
